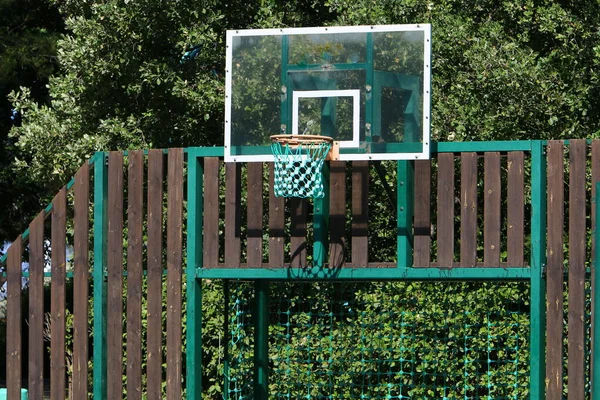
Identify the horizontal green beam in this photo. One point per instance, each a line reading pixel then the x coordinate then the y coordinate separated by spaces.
pixel 205 151
pixel 48 274
pixel 457 147
pixel 459 274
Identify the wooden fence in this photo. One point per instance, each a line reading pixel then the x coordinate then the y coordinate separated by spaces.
pixel 469 209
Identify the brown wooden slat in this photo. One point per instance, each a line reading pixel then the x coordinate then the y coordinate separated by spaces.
pixel 337 214
pixel 255 214
pixel 154 278
pixel 515 210
pixel 360 213
pixel 174 265
pixel 422 216
pixel 58 292
pixel 233 214
pixel 595 178
pixel 135 209
pixel 298 208
pixel 211 212
pixel 114 302
pixel 491 208
pixel 36 310
pixel 555 218
pixel 468 216
pixel 445 209
pixel 276 221
pixel 81 228
pixel 577 258
pixel 13 320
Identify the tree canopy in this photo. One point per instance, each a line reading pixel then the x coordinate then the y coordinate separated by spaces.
pixel 28 34
pixel 501 71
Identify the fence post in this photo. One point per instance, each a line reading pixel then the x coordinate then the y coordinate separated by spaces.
pixel 193 285
pixel 596 306
pixel 537 360
pixel 321 223
pixel 261 340
pixel 404 208
pixel 100 236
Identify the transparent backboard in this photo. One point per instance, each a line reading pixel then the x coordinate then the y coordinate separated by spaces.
pixel 368 87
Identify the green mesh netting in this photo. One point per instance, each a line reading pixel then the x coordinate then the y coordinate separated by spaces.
pixel 385 340
pixel 298 169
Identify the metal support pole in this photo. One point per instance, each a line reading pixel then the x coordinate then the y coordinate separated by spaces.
pixel 321 223
pixel 261 340
pixel 100 236
pixel 193 285
pixel 537 343
pixel 404 207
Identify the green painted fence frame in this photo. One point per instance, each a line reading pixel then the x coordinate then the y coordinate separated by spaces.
pixel 404 271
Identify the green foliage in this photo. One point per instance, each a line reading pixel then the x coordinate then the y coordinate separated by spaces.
pixel 28 34
pixel 501 71
pixel 381 340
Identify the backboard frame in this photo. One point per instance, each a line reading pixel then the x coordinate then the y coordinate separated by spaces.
pixel 423 146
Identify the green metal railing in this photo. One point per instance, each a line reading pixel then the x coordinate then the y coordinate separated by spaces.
pixel 264 323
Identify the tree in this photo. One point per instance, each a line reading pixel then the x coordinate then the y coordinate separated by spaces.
pixel 28 34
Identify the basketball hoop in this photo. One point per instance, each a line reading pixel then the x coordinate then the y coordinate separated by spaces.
pixel 299 162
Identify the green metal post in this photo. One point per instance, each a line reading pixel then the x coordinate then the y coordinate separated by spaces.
pixel 373 98
pixel 100 235
pixel 537 358
pixel 405 199
pixel 596 306
pixel 321 223
pixel 261 340
pixel 193 285
pixel 286 89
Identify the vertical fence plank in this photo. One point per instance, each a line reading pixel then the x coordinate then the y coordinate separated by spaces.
pixel 445 210
pixel 468 216
pixel 255 215
pixel 174 265
pixel 276 222
pixel 13 319
pixel 81 228
pixel 233 214
pixel 58 292
pixel 211 213
pixel 595 179
pixel 114 301
pixel 298 208
pixel 360 214
pixel 36 309
pixel 577 257
pixel 154 267
pixel 135 206
pixel 422 229
pixel 515 210
pixel 337 214
pixel 491 208
pixel 555 218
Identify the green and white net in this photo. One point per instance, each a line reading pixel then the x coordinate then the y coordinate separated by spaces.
pixel 298 168
pixel 402 340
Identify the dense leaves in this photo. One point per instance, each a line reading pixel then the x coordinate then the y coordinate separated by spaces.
pixel 517 69
pixel 28 33
pixel 512 70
